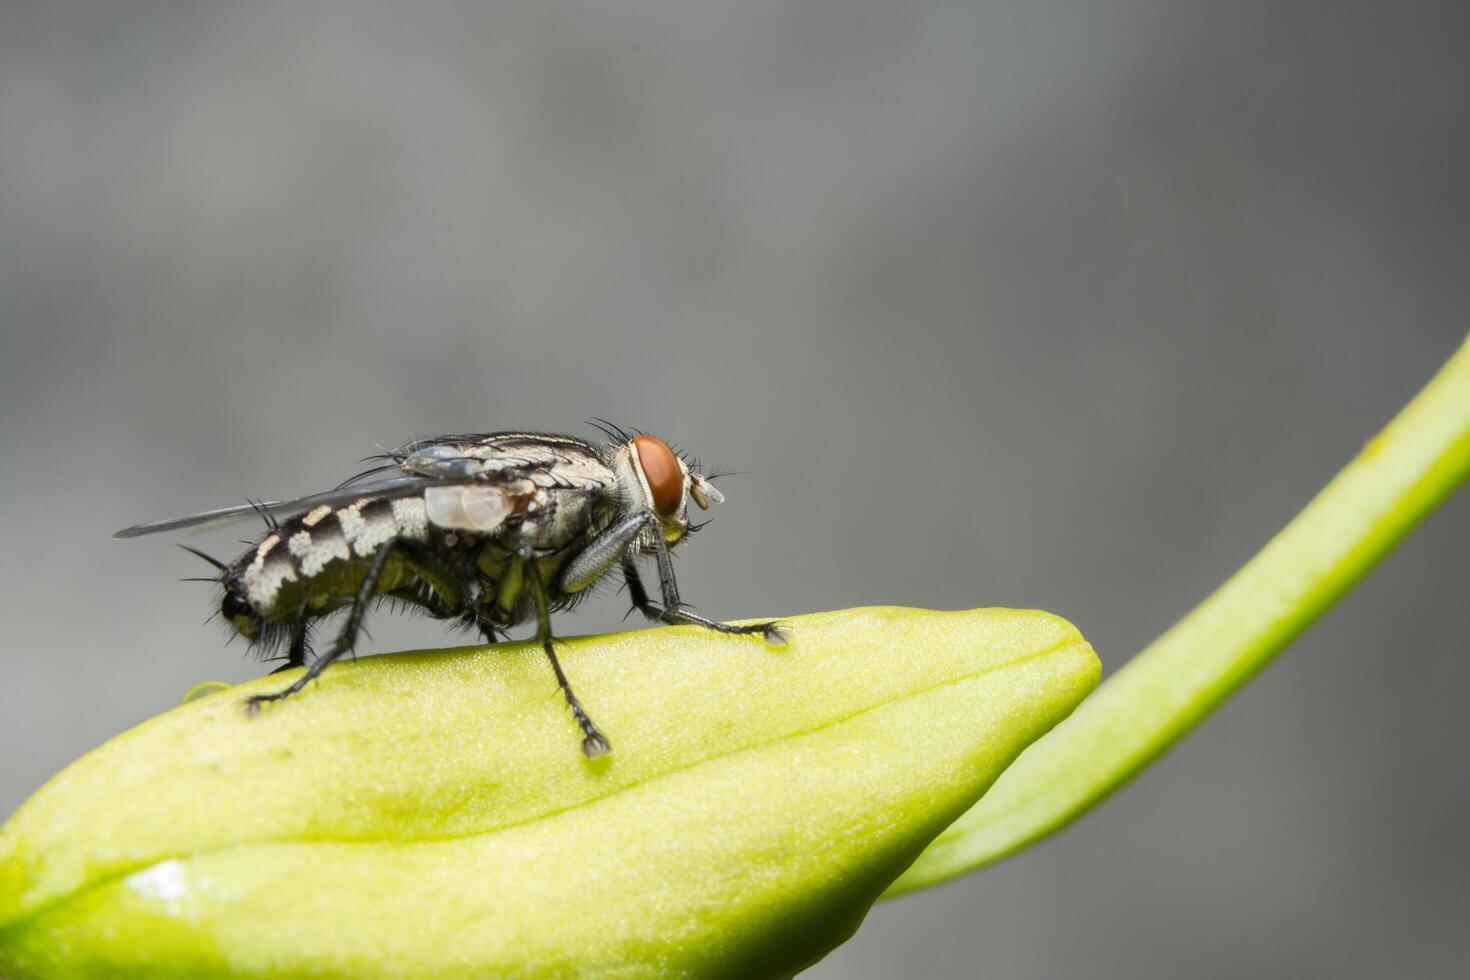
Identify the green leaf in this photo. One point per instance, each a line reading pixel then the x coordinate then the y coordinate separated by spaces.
pixel 1400 476
pixel 429 814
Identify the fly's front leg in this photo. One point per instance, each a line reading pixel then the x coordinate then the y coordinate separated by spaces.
pixel 345 639
pixel 594 744
pixel 673 610
pixel 603 552
pixel 614 546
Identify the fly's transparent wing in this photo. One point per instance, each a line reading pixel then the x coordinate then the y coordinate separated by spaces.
pixel 401 486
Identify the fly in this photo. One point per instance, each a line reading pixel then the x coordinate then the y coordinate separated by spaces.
pixel 487 531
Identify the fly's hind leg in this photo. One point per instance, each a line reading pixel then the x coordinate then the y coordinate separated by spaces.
pixel 594 743
pixel 297 651
pixel 446 586
pixel 675 613
pixel 346 639
pixel 296 657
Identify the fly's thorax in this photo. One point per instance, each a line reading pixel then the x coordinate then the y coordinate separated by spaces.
pixel 549 519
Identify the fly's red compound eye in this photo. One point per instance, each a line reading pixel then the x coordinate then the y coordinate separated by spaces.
pixel 661 470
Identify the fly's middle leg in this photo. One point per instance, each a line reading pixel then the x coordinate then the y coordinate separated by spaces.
pixel 594 743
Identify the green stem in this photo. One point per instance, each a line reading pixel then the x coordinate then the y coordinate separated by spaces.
pixel 1137 714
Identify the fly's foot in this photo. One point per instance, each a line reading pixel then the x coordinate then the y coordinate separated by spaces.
pixel 253 703
pixel 774 633
pixel 595 746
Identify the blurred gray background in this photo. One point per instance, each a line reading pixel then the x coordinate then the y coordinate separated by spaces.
pixel 1068 305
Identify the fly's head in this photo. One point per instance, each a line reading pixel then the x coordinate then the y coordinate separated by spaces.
pixel 653 476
